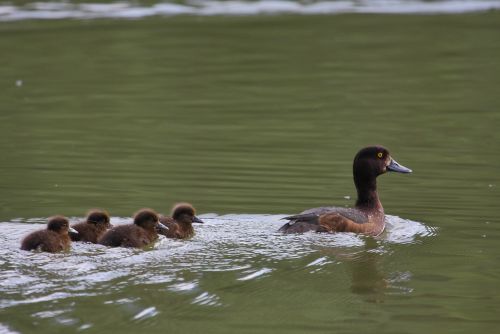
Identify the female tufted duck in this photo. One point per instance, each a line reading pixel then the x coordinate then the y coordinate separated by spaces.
pixel 368 215
pixel 141 233
pixel 92 228
pixel 53 239
pixel 180 225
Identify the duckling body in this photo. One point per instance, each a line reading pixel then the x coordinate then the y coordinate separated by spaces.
pixel 367 216
pixel 177 230
pixel 143 232
pixel 180 225
pixel 53 239
pixel 96 224
pixel 129 235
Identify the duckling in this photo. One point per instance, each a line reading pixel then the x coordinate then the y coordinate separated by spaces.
pixel 180 225
pixel 53 239
pixel 367 216
pixel 92 228
pixel 141 233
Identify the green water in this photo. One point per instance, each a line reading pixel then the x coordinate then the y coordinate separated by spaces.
pixel 260 115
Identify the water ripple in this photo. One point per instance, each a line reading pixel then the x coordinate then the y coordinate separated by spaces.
pixel 146 313
pixel 247 245
pixel 6 330
pixel 207 299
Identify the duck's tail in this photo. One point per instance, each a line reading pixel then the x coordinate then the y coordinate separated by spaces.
pixel 310 218
pixel 301 223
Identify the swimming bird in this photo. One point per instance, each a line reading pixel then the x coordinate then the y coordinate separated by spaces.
pixel 53 239
pixel 180 225
pixel 92 228
pixel 367 216
pixel 141 233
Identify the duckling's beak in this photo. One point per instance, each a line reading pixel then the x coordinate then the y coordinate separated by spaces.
pixel 72 230
pixel 161 228
pixel 197 220
pixel 395 167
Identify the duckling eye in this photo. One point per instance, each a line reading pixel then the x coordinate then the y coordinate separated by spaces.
pixel 380 155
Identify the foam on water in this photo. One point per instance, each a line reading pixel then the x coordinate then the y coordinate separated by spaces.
pixel 247 245
pixel 130 10
pixel 6 330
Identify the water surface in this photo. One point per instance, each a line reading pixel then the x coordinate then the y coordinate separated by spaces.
pixel 251 118
pixel 230 256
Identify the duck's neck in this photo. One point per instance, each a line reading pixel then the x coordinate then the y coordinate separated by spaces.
pixel 186 226
pixel 99 227
pixel 367 193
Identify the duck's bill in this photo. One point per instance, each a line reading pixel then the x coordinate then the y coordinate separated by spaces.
pixel 197 220
pixel 394 166
pixel 161 228
pixel 72 230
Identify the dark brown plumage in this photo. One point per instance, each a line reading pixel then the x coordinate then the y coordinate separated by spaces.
pixel 180 225
pixel 141 233
pixel 92 228
pixel 368 215
pixel 53 239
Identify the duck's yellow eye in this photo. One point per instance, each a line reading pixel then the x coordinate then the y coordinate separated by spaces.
pixel 380 155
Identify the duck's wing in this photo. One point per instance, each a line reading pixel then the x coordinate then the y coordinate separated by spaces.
pixel 309 218
pixel 320 210
pixel 325 219
pixel 355 215
pixel 301 223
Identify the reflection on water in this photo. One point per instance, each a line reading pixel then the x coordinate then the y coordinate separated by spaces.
pixel 369 278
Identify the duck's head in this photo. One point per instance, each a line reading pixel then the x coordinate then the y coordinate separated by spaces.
pixel 373 161
pixel 149 220
pixel 185 212
pixel 99 218
pixel 60 224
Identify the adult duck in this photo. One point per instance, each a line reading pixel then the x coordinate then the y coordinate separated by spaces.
pixel 367 216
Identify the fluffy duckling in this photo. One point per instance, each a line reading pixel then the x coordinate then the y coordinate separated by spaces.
pixel 92 228
pixel 141 233
pixel 180 225
pixel 53 239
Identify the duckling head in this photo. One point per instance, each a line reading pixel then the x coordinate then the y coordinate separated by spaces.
pixel 99 217
pixel 60 224
pixel 185 212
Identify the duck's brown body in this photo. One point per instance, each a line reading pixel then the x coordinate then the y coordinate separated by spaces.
pixel 54 239
pixel 46 241
pixel 334 219
pixel 368 215
pixel 96 224
pixel 129 235
pixel 177 230
pixel 143 232
pixel 180 225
